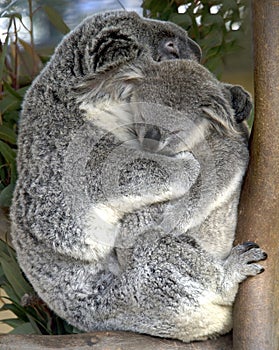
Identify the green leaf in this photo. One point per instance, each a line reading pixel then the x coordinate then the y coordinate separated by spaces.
pixel 13 322
pixel 22 91
pixel 14 276
pixel 25 328
pixel 11 117
pixel 7 152
pixel 181 19
pixel 12 91
pixel 18 311
pixel 6 195
pixel 213 39
pixel 3 56
pixel 209 20
pixel 7 134
pixel 229 5
pixel 10 292
pixel 32 58
pixel 5 249
pixel 9 103
pixel 6 14
pixel 55 18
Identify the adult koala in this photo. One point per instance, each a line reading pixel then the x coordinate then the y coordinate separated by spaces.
pixel 98 158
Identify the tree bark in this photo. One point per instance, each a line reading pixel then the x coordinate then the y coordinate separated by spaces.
pixel 256 312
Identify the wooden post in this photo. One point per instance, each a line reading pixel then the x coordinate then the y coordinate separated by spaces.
pixel 256 313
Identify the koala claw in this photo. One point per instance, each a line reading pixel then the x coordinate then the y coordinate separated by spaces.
pixel 249 245
pixel 243 259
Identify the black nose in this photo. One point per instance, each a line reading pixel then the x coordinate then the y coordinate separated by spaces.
pixel 170 50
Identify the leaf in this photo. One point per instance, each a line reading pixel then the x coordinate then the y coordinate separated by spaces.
pixel 4 249
pixel 229 5
pixel 7 152
pixel 18 311
pixel 13 322
pixel 22 91
pixel 10 292
pixel 9 103
pixel 7 134
pixel 181 19
pixel 6 195
pixel 3 56
pixel 14 276
pixel 11 117
pixel 209 20
pixel 55 18
pixel 11 15
pixel 32 58
pixel 12 91
pixel 213 39
pixel 25 328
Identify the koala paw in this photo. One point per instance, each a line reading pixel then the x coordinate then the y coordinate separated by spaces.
pixel 243 260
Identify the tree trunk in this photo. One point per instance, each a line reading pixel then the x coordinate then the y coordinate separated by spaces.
pixel 256 313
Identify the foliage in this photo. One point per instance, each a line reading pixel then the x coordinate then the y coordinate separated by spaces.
pixel 216 25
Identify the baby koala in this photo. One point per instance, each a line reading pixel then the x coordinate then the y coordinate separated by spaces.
pixel 173 193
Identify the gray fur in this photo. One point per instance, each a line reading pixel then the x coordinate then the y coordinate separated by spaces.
pixel 149 149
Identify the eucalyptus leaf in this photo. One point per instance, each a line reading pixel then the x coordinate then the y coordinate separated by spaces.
pixel 7 152
pixel 3 56
pixel 15 278
pixel 10 292
pixel 9 103
pixel 12 91
pixel 18 311
pixel 209 20
pixel 25 328
pixel 13 322
pixel 6 195
pixel 7 134
pixel 55 18
pixel 181 19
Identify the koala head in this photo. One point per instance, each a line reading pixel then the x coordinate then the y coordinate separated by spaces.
pixel 113 38
pixel 170 93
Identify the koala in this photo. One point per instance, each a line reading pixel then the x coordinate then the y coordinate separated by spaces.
pixel 130 162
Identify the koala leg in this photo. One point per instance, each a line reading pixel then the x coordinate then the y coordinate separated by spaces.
pixel 170 287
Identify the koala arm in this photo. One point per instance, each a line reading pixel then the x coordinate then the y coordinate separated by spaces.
pixel 131 180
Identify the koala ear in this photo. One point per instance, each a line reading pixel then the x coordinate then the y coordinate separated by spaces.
pixel 195 49
pixel 111 48
pixel 241 101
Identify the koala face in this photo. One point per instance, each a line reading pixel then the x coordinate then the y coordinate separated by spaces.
pixel 125 35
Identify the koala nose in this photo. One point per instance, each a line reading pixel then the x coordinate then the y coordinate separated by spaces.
pixel 172 48
pixel 169 51
pixel 152 139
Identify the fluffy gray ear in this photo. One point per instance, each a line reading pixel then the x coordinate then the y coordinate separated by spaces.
pixel 111 48
pixel 196 52
pixel 240 100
